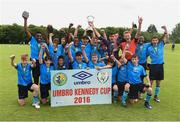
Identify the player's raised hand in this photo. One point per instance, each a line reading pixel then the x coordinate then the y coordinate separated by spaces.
pixel 164 28
pixel 51 34
pixel 112 57
pixel 12 57
pixel 79 26
pixel 97 68
pixel 140 20
pixel 83 47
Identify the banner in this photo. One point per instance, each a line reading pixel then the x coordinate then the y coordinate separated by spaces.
pixel 80 87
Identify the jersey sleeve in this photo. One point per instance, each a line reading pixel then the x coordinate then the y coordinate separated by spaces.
pixel 143 73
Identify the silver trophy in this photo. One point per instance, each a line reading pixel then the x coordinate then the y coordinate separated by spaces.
pixel 25 14
pixel 90 20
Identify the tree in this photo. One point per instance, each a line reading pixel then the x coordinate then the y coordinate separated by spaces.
pixel 175 37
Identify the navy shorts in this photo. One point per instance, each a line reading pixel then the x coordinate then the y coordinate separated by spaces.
pixel 44 90
pixel 121 86
pixel 23 91
pixel 135 89
pixel 36 69
pixel 156 72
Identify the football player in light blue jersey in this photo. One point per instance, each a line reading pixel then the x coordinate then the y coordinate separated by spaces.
pixel 156 53
pixel 77 63
pixel 45 78
pixel 35 45
pixel 135 84
pixel 25 80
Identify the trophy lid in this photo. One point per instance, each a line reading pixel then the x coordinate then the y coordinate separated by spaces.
pixel 90 18
pixel 25 14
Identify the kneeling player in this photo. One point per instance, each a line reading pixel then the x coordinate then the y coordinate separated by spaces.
pixel 121 73
pixel 135 83
pixel 25 80
pixel 45 78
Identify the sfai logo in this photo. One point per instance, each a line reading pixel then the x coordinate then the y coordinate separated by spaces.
pixel 82 75
pixel 60 79
pixel 102 77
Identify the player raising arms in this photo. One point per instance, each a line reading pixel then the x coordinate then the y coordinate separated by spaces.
pixel 156 53
pixel 129 46
pixel 35 45
pixel 25 80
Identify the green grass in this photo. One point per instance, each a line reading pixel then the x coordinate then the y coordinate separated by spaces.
pixel 168 109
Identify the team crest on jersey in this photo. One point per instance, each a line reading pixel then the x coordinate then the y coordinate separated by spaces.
pixel 60 79
pixel 102 77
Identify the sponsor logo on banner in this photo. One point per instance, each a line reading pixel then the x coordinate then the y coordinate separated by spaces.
pixel 82 75
pixel 60 79
pixel 102 77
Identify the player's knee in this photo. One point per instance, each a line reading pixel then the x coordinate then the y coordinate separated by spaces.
pixel 149 90
pixel 35 87
pixel 126 88
pixel 115 88
pixel 158 83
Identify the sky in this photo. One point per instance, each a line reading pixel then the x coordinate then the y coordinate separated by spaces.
pixel 117 13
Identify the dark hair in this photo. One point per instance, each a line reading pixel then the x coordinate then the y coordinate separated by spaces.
pixel 94 54
pixel 85 37
pixel 76 37
pixel 134 56
pixel 154 37
pixel 61 57
pixel 79 53
pixel 47 58
pixel 38 32
pixel 56 39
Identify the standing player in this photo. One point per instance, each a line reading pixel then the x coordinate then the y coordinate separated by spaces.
pixel 35 45
pixel 55 50
pixel 45 78
pixel 25 80
pixel 156 53
pixel 130 44
pixel 141 51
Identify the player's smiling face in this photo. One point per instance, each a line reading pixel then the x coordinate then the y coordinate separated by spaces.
pixel 39 37
pixel 61 62
pixel 135 61
pixel 24 61
pixel 127 37
pixel 111 38
pixel 48 62
pixel 94 58
pixel 155 41
pixel 76 41
pixel 63 41
pixel 55 42
pixel 121 60
pixel 79 58
pixel 141 39
pixel 85 41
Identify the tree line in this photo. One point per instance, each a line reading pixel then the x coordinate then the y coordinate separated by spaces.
pixel 14 34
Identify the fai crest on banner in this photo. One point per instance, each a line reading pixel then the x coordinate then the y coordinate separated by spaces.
pixel 102 77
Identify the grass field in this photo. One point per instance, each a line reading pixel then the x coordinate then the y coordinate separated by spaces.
pixel 168 109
